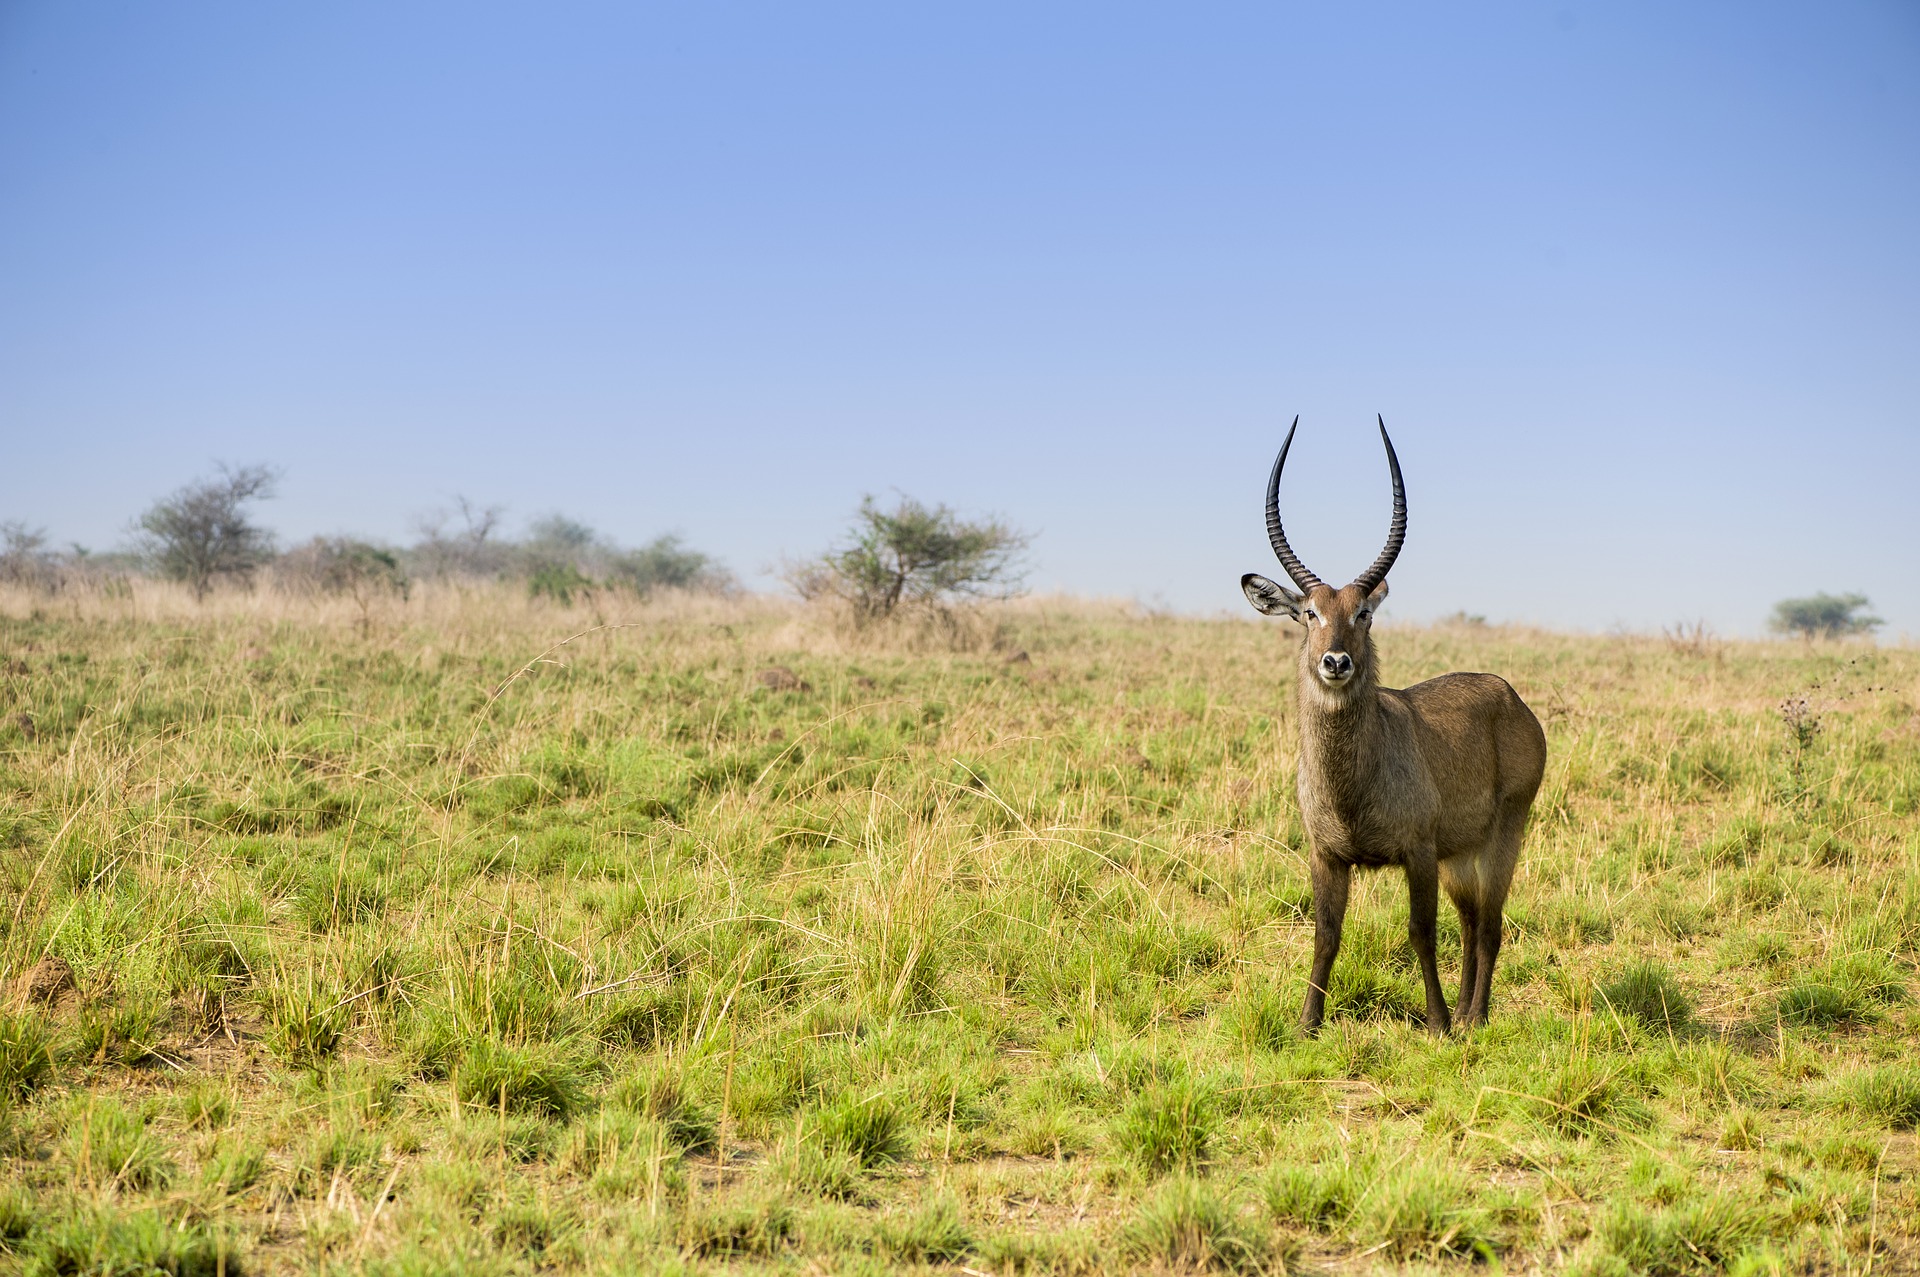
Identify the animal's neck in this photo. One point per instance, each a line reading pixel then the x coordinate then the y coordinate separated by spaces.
pixel 1339 730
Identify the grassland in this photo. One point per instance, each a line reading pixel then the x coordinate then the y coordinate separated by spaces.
pixel 430 943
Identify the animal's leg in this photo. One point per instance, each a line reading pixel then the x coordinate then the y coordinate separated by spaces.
pixel 1462 888
pixel 1423 904
pixel 1330 881
pixel 1469 953
pixel 1502 856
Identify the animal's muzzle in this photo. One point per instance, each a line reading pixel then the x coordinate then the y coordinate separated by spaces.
pixel 1336 667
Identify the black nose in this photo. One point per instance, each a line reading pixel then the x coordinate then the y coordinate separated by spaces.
pixel 1336 663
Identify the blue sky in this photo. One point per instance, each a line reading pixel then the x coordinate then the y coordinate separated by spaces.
pixel 1637 286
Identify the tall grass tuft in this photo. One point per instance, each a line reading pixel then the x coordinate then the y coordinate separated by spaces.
pixel 1890 1094
pixel 933 1233
pixel 1647 993
pixel 536 1077
pixel 110 1243
pixel 305 1021
pixel 869 1129
pixel 737 1226
pixel 1183 1225
pixel 1703 1236
pixel 26 1055
pixel 1258 1019
pixel 1168 1127
pixel 112 1146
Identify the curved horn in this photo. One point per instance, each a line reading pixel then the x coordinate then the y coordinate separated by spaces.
pixel 1397 532
pixel 1281 550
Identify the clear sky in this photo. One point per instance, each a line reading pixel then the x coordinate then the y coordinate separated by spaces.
pixel 1637 285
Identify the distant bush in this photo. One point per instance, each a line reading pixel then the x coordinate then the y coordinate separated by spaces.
pixel 665 562
pixel 1823 616
pixel 560 558
pixel 471 551
pixel 202 532
pixel 359 570
pixel 913 555
pixel 25 559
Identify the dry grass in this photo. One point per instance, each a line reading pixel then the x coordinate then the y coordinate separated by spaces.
pixel 495 936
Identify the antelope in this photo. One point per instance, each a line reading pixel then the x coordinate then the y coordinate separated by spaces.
pixel 1436 778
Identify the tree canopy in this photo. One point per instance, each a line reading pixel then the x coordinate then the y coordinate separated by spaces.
pixel 1823 616
pixel 914 555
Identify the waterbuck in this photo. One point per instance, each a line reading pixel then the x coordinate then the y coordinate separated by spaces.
pixel 1436 778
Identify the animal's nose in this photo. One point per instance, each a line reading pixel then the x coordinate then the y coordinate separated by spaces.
pixel 1337 663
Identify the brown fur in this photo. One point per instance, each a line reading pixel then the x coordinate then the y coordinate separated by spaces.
pixel 1437 778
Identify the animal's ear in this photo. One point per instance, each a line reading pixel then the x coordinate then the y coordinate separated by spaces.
pixel 1378 596
pixel 1270 597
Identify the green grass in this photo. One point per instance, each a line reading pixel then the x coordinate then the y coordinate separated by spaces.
pixel 440 944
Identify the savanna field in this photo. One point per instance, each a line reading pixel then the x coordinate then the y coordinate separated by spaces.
pixel 484 936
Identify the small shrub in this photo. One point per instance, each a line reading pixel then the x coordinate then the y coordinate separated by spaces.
pixel 1646 994
pixel 1168 1127
pixel 356 569
pixel 559 582
pixel 1186 1227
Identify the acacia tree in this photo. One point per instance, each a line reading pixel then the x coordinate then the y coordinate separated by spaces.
pixel 1823 616
pixel 914 555
pixel 202 532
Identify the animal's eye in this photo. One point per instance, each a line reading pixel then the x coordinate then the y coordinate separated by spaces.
pixel 1312 615
pixel 1361 616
